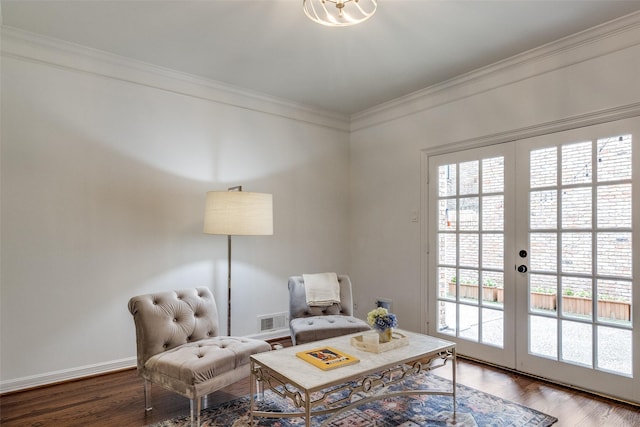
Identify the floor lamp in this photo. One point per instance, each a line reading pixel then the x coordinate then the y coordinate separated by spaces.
pixel 237 213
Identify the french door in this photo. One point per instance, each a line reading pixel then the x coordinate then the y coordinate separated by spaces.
pixel 532 249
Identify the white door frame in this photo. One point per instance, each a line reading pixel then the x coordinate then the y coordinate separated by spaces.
pixel 604 116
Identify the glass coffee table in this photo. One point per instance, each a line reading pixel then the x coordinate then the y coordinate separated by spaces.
pixel 314 391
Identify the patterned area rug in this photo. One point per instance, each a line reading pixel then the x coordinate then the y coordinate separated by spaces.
pixel 475 408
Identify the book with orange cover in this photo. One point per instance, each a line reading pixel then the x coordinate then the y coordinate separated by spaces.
pixel 327 358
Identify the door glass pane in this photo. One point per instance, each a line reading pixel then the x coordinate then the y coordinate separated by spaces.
pixel 576 163
pixel 577 339
pixel 577 297
pixel 493 288
pixel 543 166
pixel 614 158
pixel 543 252
pixel 576 208
pixel 614 254
pixel 468 285
pixel 469 179
pixel 447 214
pixel 614 301
pixel 543 336
pixel 469 210
pixel 493 251
pixel 469 322
pixel 447 282
pixel 493 213
pixel 447 323
pixel 615 350
pixel 576 253
pixel 447 248
pixel 543 209
pixel 614 206
pixel 447 180
pixel 469 248
pixel 492 321
pixel 543 289
pixel 493 175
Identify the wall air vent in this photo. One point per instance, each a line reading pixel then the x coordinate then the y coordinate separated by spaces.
pixel 272 322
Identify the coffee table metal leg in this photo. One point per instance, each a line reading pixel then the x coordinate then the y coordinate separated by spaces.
pixel 454 364
pixel 307 409
pixel 252 386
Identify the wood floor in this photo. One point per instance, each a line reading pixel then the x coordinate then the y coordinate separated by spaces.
pixel 116 399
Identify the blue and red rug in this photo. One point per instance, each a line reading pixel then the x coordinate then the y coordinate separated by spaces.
pixel 475 408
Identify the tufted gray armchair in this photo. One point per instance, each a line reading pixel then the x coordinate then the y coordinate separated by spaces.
pixel 179 348
pixel 309 323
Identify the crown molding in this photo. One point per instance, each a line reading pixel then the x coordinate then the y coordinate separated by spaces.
pixel 609 37
pixel 28 46
pixel 600 40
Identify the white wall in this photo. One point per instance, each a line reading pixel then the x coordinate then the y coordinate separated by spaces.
pixel 588 75
pixel 104 172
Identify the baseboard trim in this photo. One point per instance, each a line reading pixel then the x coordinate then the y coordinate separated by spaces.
pixel 49 378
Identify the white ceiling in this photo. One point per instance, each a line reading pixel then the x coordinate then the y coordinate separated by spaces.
pixel 269 46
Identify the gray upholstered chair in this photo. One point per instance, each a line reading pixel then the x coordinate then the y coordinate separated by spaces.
pixel 179 348
pixel 309 323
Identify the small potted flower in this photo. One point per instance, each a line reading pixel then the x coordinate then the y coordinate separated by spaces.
pixel 383 322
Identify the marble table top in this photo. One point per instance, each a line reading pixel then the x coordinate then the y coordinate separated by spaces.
pixel 307 377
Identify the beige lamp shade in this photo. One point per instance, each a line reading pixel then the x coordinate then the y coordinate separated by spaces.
pixel 238 213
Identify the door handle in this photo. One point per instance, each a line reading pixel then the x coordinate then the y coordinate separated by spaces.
pixel 522 268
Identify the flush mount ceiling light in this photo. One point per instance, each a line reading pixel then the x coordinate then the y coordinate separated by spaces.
pixel 339 13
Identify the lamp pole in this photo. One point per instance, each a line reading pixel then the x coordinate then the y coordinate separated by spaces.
pixel 229 285
pixel 236 188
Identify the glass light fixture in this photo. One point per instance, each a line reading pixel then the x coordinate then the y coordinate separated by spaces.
pixel 339 13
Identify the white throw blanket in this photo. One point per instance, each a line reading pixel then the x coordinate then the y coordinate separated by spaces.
pixel 321 289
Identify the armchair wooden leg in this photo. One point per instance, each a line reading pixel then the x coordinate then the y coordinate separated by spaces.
pixel 147 395
pixel 195 405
